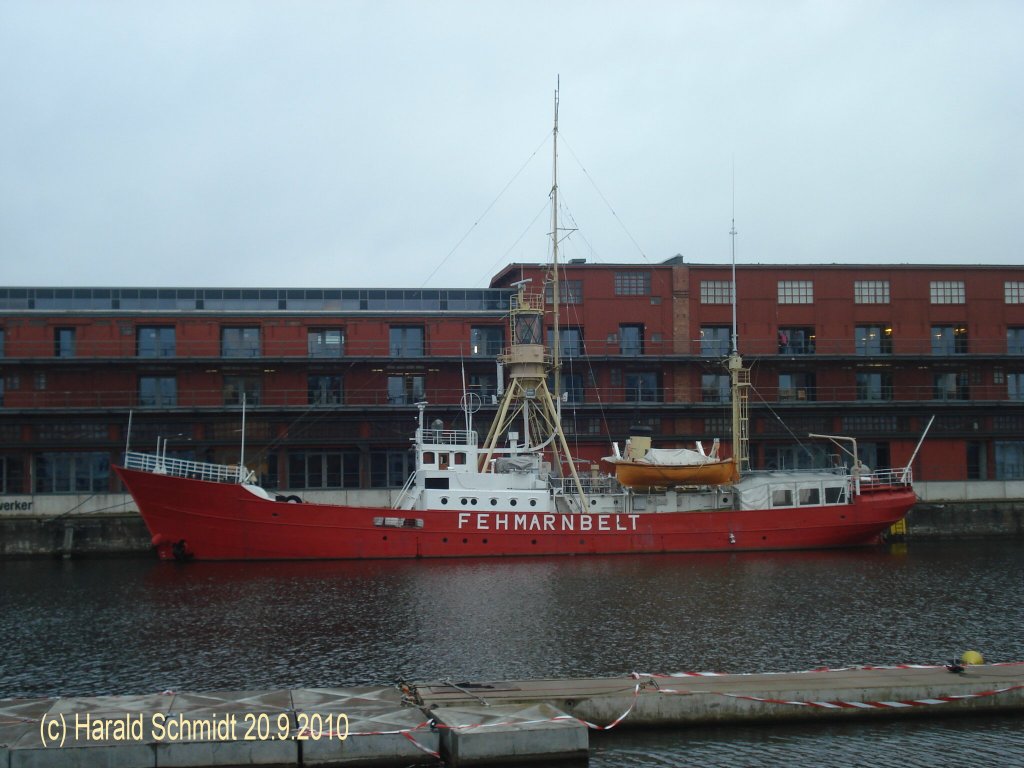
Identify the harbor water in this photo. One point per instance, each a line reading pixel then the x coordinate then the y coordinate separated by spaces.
pixel 136 626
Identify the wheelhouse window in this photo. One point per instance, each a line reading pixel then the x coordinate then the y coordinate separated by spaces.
pixel 632 283
pixel 155 341
pixel 325 342
pixel 406 341
pixel 324 389
pixel 240 342
pixel 949 339
pixel 715 340
pixel 406 389
pixel 238 387
pixel 873 339
pixel 158 391
pixel 796 340
pixel 486 340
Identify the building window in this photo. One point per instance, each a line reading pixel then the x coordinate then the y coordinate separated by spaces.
pixel 153 341
pixel 390 469
pixel 976 461
pixel 1015 341
pixel 158 391
pixel 1 392
pixel 715 388
pixel 485 385
pixel 313 469
pixel 64 342
pixel 642 387
pixel 796 386
pixel 72 473
pixel 951 386
pixel 325 342
pixel 871 292
pixel 240 342
pixel 1015 386
pixel 406 341
pixel 947 292
pixel 571 385
pixel 874 386
pixel 11 475
pixel 569 292
pixel 949 339
pixel 873 339
pixel 632 283
pixel 570 342
pixel 1009 460
pixel 406 389
pixel 796 292
pixel 238 387
pixel 486 340
pixel 1013 291
pixel 324 390
pixel 715 292
pixel 715 340
pixel 796 341
pixel 631 340
pixel 1 342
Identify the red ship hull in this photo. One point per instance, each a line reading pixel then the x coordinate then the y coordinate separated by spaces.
pixel 223 521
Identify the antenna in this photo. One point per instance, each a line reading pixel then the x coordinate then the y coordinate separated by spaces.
pixel 732 238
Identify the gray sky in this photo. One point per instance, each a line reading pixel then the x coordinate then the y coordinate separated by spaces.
pixel 357 144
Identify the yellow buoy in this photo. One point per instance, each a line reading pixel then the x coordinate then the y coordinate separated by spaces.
pixel 972 657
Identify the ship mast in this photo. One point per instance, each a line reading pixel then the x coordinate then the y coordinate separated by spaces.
pixel 739 377
pixel 527 395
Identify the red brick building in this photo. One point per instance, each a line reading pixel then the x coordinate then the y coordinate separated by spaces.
pixel 330 375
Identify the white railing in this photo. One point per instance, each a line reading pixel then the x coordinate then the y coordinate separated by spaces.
pixel 903 476
pixel 448 437
pixel 194 470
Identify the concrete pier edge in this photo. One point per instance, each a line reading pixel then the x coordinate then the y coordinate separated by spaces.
pixel 470 723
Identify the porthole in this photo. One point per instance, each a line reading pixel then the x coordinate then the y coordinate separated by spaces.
pixel 593 502
pixel 485 541
pixel 444 499
pixel 464 501
pixel 473 501
pixel 533 502
pixel 534 541
pixel 465 541
pixel 512 502
pixel 494 502
pixel 444 540
pixel 385 538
